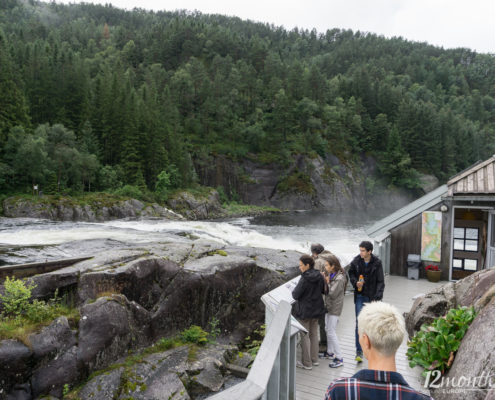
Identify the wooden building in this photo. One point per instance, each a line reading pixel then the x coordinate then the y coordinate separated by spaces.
pixel 452 227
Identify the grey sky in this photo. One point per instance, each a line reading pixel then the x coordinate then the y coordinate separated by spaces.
pixel 447 23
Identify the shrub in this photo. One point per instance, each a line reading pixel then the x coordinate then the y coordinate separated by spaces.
pixel 253 344
pixel 434 346
pixel 195 334
pixel 16 298
pixel 39 311
pixel 130 191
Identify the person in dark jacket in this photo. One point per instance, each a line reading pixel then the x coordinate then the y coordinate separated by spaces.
pixel 308 308
pixel 368 289
pixel 317 252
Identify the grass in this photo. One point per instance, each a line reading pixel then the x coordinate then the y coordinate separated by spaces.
pixel 234 209
pixel 20 327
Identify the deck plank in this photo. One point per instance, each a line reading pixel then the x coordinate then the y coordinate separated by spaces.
pixel 399 291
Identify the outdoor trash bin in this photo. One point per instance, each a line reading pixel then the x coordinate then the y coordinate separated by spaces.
pixel 413 264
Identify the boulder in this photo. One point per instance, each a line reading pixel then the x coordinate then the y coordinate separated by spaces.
pixel 15 364
pixel 197 207
pixel 108 328
pixel 51 378
pixel 471 289
pixel 52 340
pixel 430 306
pixel 475 290
pixel 475 357
pixel 102 387
pixel 142 280
pixel 20 392
pixel 230 291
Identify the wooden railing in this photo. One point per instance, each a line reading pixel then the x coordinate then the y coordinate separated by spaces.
pixel 272 375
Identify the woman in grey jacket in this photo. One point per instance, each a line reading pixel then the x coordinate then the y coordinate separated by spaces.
pixel 335 283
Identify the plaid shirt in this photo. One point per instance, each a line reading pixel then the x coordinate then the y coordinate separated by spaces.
pixel 373 385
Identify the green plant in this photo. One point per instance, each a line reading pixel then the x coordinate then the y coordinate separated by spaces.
pixel 253 344
pixel 434 346
pixel 16 298
pixel 214 327
pixel 66 389
pixel 195 334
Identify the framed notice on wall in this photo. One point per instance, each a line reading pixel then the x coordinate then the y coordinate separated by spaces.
pixel 431 236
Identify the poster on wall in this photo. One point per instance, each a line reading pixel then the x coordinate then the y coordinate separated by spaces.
pixel 431 236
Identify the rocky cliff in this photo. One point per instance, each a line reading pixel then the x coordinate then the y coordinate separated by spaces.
pixel 474 359
pixel 131 297
pixel 304 183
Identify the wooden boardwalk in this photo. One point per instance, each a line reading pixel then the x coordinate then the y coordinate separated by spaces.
pixel 399 291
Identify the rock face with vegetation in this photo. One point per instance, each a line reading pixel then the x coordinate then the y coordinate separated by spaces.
pixel 474 358
pixel 130 298
pixel 66 209
pixel 304 183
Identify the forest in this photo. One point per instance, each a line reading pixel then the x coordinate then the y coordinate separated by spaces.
pixel 95 98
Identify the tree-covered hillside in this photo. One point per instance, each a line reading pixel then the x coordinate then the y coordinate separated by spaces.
pixel 94 97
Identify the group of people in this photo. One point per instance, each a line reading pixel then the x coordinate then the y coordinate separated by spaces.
pixel 380 328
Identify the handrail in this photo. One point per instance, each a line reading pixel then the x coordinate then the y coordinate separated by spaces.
pixel 258 379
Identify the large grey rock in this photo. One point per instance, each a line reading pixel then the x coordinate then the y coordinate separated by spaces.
pixel 475 356
pixel 51 378
pixel 103 387
pixel 430 306
pixel 475 290
pixel 66 279
pixel 52 340
pixel 197 207
pixel 108 328
pixel 157 377
pixel 142 280
pixel 15 364
pixel 469 290
pixel 20 392
pixel 227 291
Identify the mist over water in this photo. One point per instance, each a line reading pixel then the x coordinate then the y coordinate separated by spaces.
pixel 25 240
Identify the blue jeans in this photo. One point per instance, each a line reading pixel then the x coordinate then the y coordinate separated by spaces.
pixel 358 305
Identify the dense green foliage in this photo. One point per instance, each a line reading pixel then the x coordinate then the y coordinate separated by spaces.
pixel 94 98
pixel 22 316
pixel 435 345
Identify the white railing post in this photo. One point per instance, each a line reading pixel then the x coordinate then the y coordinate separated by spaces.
pixel 285 356
pixel 292 367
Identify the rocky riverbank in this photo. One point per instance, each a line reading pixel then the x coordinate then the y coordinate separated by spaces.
pixel 182 205
pixel 59 208
pixel 128 299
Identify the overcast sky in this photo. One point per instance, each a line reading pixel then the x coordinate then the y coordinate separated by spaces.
pixel 447 23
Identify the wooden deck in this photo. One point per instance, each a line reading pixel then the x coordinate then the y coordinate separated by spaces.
pixel 399 291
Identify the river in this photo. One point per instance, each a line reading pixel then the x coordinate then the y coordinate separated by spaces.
pixel 24 240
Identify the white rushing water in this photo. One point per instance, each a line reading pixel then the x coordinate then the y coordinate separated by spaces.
pixel 27 240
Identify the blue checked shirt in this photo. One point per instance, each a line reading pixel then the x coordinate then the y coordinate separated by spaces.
pixel 373 385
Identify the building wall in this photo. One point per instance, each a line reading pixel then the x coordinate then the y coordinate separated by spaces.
pixel 406 239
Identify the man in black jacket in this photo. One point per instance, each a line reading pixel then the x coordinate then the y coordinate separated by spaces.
pixel 370 287
pixel 308 308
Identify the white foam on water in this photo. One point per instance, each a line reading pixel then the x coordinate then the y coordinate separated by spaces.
pixel 235 233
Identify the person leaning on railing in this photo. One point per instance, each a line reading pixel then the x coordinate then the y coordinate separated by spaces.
pixel 308 308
